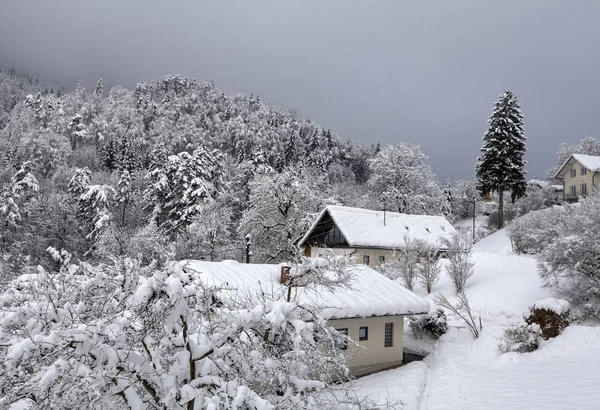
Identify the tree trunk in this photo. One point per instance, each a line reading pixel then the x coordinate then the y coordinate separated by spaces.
pixel 500 209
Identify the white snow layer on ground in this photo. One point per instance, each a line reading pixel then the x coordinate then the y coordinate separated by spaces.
pixel 405 385
pixel 463 373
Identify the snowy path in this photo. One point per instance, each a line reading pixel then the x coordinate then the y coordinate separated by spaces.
pixel 463 373
pixel 562 374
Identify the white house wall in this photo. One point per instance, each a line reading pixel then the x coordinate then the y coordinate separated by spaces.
pixel 371 355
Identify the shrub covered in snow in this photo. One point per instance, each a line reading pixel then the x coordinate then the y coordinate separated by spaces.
pixel 429 266
pixel 403 265
pixel 100 337
pixel 432 325
pixel 550 315
pixel 521 338
pixel 460 265
pixel 462 309
pixel 531 232
pixel 566 240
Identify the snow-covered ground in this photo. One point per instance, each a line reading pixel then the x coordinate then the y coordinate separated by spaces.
pixel 462 373
pixel 466 226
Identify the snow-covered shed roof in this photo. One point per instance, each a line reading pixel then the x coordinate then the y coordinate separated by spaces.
pixel 539 182
pixel 591 162
pixel 544 184
pixel 371 293
pixel 366 228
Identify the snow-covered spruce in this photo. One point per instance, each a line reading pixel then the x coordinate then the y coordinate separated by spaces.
pixel 501 167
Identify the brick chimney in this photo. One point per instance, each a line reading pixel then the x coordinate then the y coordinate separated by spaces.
pixel 285 274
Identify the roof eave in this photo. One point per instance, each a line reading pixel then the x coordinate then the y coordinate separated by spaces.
pixel 557 175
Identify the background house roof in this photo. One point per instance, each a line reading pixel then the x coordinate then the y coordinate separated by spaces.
pixel 544 184
pixel 365 228
pixel 372 294
pixel 591 162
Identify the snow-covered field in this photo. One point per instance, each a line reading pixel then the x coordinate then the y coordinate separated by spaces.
pixel 462 373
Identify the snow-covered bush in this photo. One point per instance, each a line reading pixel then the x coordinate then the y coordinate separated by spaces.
pixel 432 325
pixel 429 266
pixel 550 315
pixel 521 337
pixel 464 198
pixel 509 211
pixel 462 309
pixel 125 337
pixel 403 265
pixel 569 260
pixel 460 266
pixel 532 232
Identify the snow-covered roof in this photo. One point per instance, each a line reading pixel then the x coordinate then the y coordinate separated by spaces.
pixel 539 182
pixel 371 293
pixel 365 227
pixel 545 184
pixel 591 162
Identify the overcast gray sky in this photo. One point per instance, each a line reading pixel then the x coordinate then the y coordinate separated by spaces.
pixel 387 71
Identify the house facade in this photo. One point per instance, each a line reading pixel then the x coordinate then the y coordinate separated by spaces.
pixel 580 176
pixel 371 237
pixel 371 312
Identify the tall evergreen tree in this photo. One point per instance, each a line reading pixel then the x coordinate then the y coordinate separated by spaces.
pixel 447 202
pixel 110 155
pixel 99 89
pixel 291 148
pixel 501 167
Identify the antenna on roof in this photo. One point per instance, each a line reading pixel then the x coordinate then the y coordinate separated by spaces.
pixel 383 215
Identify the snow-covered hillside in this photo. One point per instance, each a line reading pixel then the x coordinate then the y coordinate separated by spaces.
pixel 462 373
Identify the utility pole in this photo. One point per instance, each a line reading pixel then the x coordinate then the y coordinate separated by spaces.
pixel 474 211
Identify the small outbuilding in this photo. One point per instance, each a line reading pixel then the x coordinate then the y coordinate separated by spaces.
pixel 371 312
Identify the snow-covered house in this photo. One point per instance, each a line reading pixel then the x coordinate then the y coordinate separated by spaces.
pixel 371 311
pixel 371 236
pixel 579 174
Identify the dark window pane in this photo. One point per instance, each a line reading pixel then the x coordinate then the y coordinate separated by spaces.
pixel 389 335
pixel 366 260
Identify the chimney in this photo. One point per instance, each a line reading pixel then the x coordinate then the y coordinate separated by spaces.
pixel 285 274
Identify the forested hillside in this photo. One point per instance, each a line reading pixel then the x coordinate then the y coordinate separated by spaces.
pixel 178 168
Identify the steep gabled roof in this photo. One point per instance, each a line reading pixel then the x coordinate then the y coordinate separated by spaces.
pixel 372 294
pixel 365 228
pixel 591 162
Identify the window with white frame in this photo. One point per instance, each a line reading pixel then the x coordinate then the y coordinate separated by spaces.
pixel 573 172
pixel 573 190
pixel 583 189
pixel 583 171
